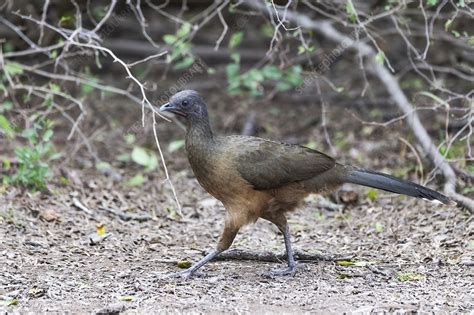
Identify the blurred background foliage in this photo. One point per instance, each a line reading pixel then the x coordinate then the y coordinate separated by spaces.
pixel 66 102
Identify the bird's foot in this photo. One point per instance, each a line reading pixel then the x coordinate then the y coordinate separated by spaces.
pixel 288 271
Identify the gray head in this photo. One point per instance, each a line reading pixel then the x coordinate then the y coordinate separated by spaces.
pixel 187 104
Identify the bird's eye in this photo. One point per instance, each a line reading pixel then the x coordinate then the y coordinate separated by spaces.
pixel 184 103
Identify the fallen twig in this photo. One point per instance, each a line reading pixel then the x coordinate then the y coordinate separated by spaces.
pixel 128 216
pixel 238 254
pixel 76 203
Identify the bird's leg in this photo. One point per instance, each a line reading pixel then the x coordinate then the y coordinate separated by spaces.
pixel 188 273
pixel 291 269
pixel 282 224
pixel 226 239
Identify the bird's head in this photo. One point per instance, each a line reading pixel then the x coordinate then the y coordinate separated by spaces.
pixel 187 104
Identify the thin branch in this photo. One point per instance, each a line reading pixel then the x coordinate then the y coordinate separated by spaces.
pixel 19 33
pixel 155 134
pixel 106 17
pixel 147 58
pixel 238 254
pixel 72 40
pixel 43 19
pixel 224 31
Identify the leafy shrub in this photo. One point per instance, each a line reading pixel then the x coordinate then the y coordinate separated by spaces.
pixel 33 170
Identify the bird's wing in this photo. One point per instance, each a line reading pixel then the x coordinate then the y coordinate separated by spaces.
pixel 267 164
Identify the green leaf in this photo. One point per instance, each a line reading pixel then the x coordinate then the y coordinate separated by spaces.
pixel 175 145
pixel 47 135
pixel 345 263
pixel 65 18
pixel 351 11
pixel 130 138
pixel 140 156
pixel 380 57
pixel 235 57
pixel 301 49
pixel 13 68
pixel 255 75
pixel 127 298
pixel 184 30
pixel 169 39
pixel 6 164
pixel 6 106
pixel 103 166
pixel 6 127
pixel 267 30
pixel 87 88
pixel 185 63
pixel 124 157
pixel 272 72
pixel 293 76
pixel 283 86
pixel 470 41
pixel 432 3
pixel 232 70
pixel 379 227
pixel 143 157
pixel 372 194
pixel 153 162
pixel 183 263
pixel 136 180
pixel 236 39
pixel 54 87
pixel 447 24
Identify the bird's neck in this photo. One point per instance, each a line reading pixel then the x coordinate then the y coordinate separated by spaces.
pixel 199 133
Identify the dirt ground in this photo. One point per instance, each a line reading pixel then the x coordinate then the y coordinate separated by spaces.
pixel 52 266
pixel 406 255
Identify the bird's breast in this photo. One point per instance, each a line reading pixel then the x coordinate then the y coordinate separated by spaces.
pixel 215 174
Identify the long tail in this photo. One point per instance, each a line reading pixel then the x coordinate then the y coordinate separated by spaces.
pixel 393 184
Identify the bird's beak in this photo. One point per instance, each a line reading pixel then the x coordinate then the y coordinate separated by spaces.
pixel 170 108
pixel 165 107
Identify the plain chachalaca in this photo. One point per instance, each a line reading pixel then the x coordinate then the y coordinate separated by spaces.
pixel 258 178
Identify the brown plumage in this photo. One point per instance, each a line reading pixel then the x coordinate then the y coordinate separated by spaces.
pixel 258 178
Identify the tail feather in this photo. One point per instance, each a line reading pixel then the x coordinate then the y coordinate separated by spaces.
pixel 392 184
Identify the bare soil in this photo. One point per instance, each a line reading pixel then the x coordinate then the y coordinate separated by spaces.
pixel 52 266
pixel 410 255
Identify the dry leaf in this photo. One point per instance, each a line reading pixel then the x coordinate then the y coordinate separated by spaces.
pixel 183 263
pixel 100 229
pixel 49 215
pixel 36 292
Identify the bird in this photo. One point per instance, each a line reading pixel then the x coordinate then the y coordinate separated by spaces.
pixel 260 178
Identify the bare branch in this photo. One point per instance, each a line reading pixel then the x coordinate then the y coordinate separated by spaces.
pixel 224 31
pixel 106 17
pixel 43 19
